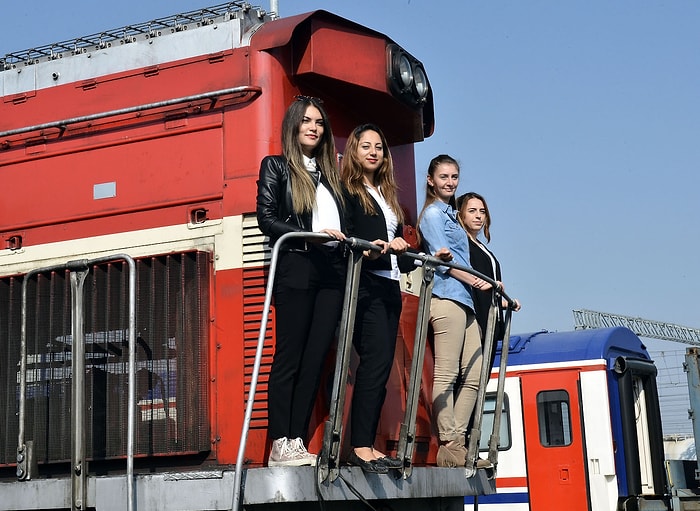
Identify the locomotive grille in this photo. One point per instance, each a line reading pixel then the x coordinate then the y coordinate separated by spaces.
pixel 256 259
pixel 172 305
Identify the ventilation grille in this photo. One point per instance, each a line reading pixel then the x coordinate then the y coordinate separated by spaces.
pixel 256 260
pixel 172 332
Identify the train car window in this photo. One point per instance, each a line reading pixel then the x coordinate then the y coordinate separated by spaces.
pixel 504 437
pixel 554 418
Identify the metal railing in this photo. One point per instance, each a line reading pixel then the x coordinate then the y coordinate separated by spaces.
pixel 61 125
pixel 128 34
pixel 328 463
pixel 26 463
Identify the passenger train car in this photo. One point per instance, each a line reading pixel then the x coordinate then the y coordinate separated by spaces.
pixel 581 425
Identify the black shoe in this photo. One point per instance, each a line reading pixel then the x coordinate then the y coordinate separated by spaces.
pixel 390 462
pixel 368 467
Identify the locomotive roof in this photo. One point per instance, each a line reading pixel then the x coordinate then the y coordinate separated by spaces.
pixel 145 31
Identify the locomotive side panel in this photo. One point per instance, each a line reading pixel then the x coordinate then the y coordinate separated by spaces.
pixel 155 153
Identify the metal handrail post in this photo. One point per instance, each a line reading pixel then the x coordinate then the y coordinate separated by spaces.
pixel 500 388
pixel 485 371
pixel 329 460
pixel 407 433
pixel 25 454
pixel 79 467
pixel 131 417
pixel 25 449
pixel 238 470
pixel 484 376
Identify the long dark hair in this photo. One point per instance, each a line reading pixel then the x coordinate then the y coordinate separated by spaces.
pixel 352 174
pixel 462 203
pixel 303 186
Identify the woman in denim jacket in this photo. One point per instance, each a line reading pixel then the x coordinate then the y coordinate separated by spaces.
pixel 456 333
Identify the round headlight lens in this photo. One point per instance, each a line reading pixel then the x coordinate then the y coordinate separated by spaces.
pixel 405 71
pixel 421 82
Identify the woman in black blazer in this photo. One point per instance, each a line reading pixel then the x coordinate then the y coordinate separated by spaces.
pixel 475 218
pixel 373 213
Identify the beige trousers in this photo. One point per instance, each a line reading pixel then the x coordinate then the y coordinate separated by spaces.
pixel 457 367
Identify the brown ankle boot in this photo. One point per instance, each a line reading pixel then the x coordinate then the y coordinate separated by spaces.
pixel 451 455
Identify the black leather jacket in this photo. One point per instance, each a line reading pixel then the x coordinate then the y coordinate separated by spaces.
pixel 275 213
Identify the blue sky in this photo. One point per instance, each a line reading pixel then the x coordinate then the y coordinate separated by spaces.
pixel 579 122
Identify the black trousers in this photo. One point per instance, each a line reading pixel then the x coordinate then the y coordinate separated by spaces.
pixel 308 294
pixel 376 326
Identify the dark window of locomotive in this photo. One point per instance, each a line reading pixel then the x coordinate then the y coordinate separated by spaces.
pixel 504 437
pixel 554 418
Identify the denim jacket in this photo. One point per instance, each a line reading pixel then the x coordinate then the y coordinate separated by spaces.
pixel 439 228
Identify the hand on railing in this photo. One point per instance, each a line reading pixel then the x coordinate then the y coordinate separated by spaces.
pixel 334 234
pixel 442 257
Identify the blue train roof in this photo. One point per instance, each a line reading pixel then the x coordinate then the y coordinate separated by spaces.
pixel 589 344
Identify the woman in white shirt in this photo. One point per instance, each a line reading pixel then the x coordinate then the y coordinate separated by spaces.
pixel 374 214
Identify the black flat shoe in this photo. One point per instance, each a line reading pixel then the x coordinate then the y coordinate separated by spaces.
pixel 368 467
pixel 390 462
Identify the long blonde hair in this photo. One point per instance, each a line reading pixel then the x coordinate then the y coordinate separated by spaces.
pixel 352 174
pixel 303 185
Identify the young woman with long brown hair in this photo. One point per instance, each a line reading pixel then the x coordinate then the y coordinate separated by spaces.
pixel 300 191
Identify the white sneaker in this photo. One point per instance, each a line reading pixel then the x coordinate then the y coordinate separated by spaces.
pixel 290 453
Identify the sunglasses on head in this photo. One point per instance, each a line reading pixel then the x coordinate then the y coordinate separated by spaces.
pixel 309 99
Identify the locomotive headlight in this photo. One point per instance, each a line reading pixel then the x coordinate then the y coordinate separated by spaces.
pixel 406 76
pixel 421 82
pixel 405 72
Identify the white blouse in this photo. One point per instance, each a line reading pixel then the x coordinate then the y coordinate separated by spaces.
pixel 325 213
pixel 392 223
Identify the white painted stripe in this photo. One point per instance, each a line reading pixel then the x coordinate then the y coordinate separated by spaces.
pixel 515 489
pixel 223 237
pixel 553 365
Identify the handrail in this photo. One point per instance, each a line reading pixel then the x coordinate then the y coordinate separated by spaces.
pixel 500 390
pixel 419 258
pixel 61 125
pixel 407 432
pixel 328 461
pixel 408 427
pixel 25 456
pixel 124 35
pixel 307 236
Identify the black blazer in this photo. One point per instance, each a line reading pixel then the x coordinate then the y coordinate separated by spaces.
pixel 482 299
pixel 370 228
